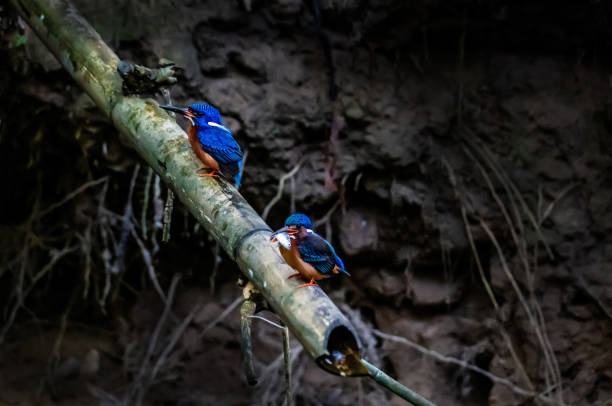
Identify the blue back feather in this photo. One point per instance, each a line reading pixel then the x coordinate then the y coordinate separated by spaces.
pixel 319 253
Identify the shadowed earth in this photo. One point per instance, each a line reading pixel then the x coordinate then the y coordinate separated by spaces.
pixel 457 155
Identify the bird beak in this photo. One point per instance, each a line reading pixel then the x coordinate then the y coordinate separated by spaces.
pixel 179 110
pixel 182 111
pixel 286 230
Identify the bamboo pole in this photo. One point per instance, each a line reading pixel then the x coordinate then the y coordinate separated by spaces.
pixel 309 313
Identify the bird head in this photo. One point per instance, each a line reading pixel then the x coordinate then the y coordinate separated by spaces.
pixel 199 114
pixel 295 224
pixel 297 221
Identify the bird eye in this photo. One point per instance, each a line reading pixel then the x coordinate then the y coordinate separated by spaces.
pixel 195 113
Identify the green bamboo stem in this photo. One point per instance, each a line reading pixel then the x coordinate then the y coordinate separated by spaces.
pixel 287 367
pixel 311 316
pixel 394 386
pixel 246 311
pixel 169 206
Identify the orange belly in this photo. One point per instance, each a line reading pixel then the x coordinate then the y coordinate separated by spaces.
pixel 292 258
pixel 202 155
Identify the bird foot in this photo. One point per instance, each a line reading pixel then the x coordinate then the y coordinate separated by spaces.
pixel 293 275
pixel 212 174
pixel 311 283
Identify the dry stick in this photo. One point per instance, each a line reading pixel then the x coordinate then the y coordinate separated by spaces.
pixel 279 192
pixel 325 220
pixel 394 386
pixel 216 262
pixel 587 289
pixel 288 401
pixel 287 363
pixel 146 257
pixel 451 360
pixel 484 280
pixel 274 367
pixel 126 225
pixel 502 175
pixel 168 215
pixel 232 306
pixel 86 247
pixel 158 210
pixel 220 317
pixel 72 195
pixel 178 332
pixel 19 289
pixel 247 310
pixel 145 203
pixel 554 202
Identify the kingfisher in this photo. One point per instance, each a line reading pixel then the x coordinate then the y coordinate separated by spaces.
pixel 306 251
pixel 211 141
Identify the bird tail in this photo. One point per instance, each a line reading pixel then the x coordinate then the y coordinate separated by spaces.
pixel 238 176
pixel 341 265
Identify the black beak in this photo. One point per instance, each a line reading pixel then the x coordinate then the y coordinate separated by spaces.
pixel 290 231
pixel 281 230
pixel 179 110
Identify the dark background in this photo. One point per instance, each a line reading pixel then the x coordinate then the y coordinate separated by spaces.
pixel 474 143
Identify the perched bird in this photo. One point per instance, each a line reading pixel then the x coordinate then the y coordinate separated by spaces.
pixel 212 143
pixel 305 251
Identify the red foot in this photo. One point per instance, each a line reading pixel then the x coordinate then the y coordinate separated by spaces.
pixel 311 283
pixel 293 275
pixel 212 174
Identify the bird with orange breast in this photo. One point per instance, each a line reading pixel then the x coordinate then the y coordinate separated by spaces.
pixel 212 142
pixel 307 252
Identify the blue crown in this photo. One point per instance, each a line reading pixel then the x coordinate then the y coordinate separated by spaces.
pixel 298 219
pixel 210 113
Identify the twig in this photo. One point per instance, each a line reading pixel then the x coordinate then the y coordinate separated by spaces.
pixel 216 251
pixel 168 215
pixel 220 317
pixel 126 225
pixel 173 340
pixel 287 364
pixel 394 386
pixel 158 212
pixel 325 220
pixel 145 203
pixel 146 257
pixel 281 184
pixel 247 310
pixel 72 195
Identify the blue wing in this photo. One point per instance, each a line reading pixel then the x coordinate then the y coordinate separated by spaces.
pixel 223 148
pixel 319 253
